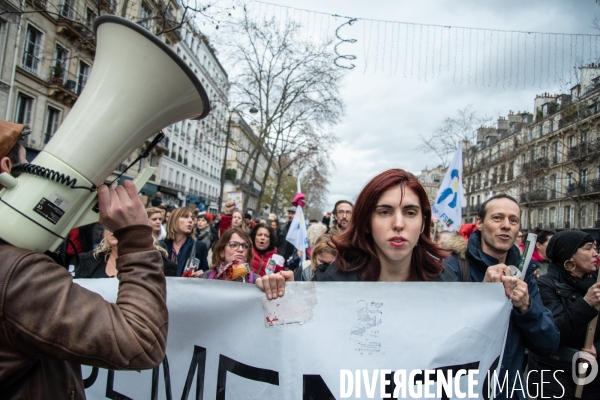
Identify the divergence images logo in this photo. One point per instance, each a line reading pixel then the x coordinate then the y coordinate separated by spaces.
pixel 451 190
pixel 580 369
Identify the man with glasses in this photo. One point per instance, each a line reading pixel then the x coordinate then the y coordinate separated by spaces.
pixel 342 212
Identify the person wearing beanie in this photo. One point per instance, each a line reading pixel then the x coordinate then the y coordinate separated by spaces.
pixel 569 290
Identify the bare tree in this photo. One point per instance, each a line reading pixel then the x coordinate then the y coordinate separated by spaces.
pixel 294 85
pixel 453 132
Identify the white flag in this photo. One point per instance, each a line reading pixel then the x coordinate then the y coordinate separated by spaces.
pixel 450 199
pixel 297 233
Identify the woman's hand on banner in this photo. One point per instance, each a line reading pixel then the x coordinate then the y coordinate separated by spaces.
pixel 274 285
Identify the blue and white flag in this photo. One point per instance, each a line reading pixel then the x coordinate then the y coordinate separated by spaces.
pixel 297 233
pixel 450 199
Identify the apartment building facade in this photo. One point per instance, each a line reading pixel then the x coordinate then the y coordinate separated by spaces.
pixel 548 161
pixel 47 54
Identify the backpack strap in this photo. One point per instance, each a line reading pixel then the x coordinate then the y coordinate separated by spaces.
pixel 465 269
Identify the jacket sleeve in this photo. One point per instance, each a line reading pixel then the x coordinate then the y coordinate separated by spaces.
pixel 224 223
pixel 45 312
pixel 570 321
pixel 536 326
pixel 451 263
pixel 202 255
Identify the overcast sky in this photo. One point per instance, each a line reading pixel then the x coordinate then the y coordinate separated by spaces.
pixel 386 114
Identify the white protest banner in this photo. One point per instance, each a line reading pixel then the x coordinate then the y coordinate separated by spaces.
pixel 226 341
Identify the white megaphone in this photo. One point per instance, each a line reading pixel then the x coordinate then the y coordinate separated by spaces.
pixel 137 87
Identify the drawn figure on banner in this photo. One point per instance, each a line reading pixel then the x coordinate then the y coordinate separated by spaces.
pixel 364 331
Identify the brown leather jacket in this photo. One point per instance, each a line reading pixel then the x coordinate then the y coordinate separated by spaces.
pixel 49 325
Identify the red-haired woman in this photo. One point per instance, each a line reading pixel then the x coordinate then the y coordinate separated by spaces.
pixel 388 238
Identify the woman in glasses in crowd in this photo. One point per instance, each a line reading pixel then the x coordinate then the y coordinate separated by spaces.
pixel 231 257
pixel 387 239
pixel 182 248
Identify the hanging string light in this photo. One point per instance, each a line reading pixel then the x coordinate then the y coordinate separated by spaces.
pixel 420 51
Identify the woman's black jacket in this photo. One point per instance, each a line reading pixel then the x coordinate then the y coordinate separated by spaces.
pixel 571 313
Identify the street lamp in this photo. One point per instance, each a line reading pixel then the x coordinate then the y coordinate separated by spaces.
pixel 253 110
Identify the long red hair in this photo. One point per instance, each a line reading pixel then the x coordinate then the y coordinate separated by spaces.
pixel 356 248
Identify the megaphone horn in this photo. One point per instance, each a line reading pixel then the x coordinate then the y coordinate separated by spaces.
pixel 137 87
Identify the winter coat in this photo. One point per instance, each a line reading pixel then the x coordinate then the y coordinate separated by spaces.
pixel 51 326
pixel 205 236
pixel 89 266
pixel 185 252
pixel 563 295
pixel 286 249
pixel 533 329
pixel 260 260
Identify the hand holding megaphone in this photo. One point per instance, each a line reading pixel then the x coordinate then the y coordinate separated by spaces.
pixel 121 207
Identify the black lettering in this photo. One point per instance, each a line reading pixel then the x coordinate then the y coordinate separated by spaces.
pixel 110 393
pixel 227 364
pixel 198 365
pixel 167 378
pixel 90 380
pixel 315 388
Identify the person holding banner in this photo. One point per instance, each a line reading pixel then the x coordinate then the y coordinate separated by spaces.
pixel 490 249
pixel 388 239
pixel 571 292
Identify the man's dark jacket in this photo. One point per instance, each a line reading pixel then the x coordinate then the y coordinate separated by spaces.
pixel 534 329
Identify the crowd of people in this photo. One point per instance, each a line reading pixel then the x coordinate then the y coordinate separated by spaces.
pixel 385 236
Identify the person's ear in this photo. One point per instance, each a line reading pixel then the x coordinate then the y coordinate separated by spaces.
pixel 478 223
pixel 5 165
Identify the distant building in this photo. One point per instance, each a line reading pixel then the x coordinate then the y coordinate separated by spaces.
pixel 550 161
pixel 241 156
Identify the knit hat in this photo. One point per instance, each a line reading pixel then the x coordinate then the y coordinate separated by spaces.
pixel 564 244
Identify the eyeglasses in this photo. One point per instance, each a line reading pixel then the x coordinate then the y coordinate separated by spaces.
pixel 342 212
pixel 236 245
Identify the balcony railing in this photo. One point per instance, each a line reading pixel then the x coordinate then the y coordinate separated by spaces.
pixel 540 163
pixel 536 195
pixel 584 149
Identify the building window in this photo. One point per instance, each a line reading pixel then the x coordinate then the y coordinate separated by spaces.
pixel 90 17
pixel 583 217
pixel 552 217
pixel 67 9
pixel 82 77
pixel 61 55
pixel 32 50
pixel 571 142
pixel 145 16
pixel 52 123
pixel 567 216
pixel 23 109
